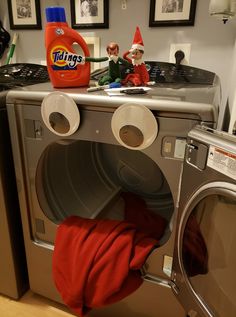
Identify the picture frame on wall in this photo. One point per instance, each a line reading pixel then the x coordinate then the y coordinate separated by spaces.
pixel 90 14
pixel 172 12
pixel 24 14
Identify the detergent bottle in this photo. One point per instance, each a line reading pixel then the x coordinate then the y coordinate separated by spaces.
pixel 65 67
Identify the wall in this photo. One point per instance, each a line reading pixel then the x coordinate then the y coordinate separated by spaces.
pixel 232 93
pixel 212 42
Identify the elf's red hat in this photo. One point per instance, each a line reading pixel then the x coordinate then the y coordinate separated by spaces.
pixel 138 41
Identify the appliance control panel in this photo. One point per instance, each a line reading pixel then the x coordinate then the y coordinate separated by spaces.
pixel 22 74
pixel 166 73
pixel 162 72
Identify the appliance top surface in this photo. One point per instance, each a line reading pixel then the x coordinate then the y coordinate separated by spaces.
pixel 164 97
pixel 214 137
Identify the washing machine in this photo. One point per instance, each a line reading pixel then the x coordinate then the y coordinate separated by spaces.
pixel 75 152
pixel 203 279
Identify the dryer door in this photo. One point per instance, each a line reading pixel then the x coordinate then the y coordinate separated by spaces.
pixel 203 273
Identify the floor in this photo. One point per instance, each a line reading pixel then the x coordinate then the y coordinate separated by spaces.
pixel 31 305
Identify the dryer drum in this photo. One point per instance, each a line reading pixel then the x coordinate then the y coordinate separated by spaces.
pixel 91 177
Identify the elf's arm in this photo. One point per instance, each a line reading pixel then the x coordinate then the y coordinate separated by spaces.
pixel 96 59
pixel 125 56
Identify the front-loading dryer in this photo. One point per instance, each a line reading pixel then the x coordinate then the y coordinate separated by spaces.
pixel 75 153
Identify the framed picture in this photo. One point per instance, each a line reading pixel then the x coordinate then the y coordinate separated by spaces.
pixel 24 14
pixel 90 14
pixel 94 49
pixel 172 12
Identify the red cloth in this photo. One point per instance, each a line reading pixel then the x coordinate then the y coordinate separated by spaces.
pixel 147 221
pixel 96 262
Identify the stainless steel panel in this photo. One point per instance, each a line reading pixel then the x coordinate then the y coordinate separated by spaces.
pixel 204 253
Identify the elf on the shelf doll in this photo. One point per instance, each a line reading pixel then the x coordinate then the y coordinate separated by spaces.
pixel 140 76
pixel 114 74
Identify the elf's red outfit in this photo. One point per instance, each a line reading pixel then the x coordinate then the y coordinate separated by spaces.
pixel 140 76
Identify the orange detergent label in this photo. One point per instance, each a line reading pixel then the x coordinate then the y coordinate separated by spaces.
pixel 62 59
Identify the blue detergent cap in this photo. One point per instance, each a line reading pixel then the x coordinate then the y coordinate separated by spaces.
pixel 55 14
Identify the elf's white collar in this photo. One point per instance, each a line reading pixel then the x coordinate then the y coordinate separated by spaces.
pixel 113 58
pixel 137 61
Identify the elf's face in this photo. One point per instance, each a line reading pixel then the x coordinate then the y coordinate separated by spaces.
pixel 136 54
pixel 113 51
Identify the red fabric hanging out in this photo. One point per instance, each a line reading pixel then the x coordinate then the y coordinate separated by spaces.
pixel 147 221
pixel 97 262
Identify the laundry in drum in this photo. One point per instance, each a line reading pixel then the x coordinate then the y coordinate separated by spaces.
pixel 195 253
pixel 96 250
